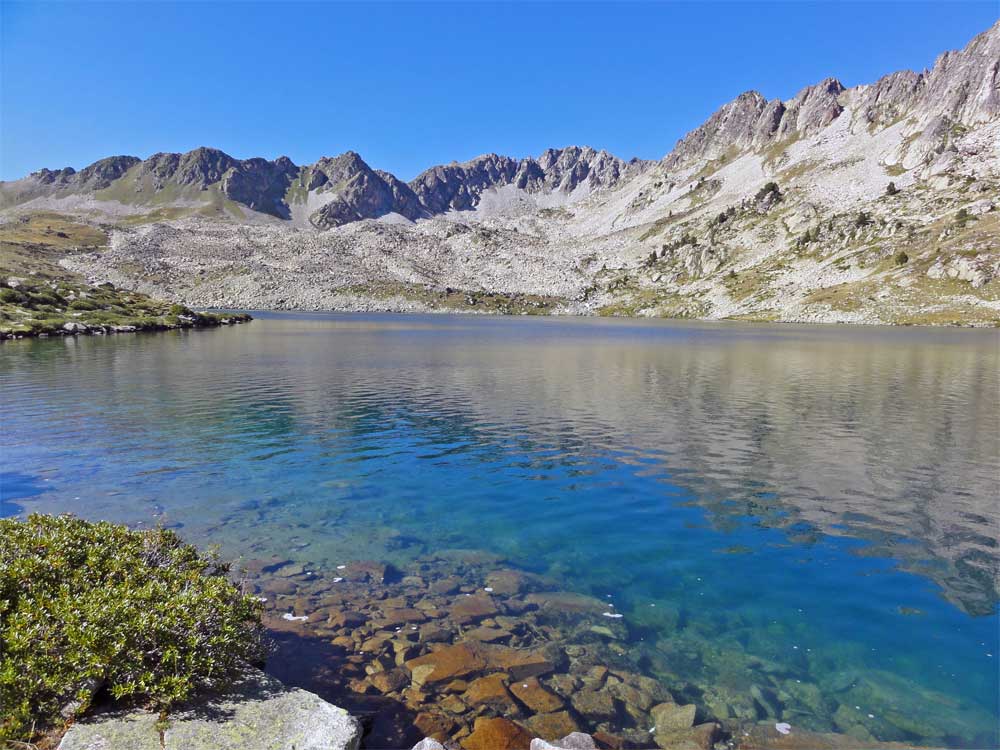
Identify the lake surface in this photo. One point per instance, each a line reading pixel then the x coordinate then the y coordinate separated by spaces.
pixel 817 503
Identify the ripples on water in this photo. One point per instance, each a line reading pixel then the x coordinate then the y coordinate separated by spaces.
pixel 824 499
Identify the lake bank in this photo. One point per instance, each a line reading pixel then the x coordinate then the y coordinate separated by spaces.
pixel 37 307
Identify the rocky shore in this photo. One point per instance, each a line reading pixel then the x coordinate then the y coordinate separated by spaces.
pixel 35 307
pixel 468 653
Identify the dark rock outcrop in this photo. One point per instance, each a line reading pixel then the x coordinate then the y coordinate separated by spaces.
pixel 459 187
pixel 360 192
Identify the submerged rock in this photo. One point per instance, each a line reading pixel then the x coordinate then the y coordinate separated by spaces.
pixel 468 609
pixel 669 716
pixel 597 705
pixel 257 713
pixel 497 734
pixel 491 691
pixel 701 737
pixel 550 726
pixel 534 695
pixel 447 663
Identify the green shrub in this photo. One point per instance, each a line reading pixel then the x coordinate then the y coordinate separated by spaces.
pixel 83 304
pixel 139 611
pixel 901 258
pixel 12 296
pixel 770 187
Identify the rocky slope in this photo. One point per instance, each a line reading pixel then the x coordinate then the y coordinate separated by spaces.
pixel 870 204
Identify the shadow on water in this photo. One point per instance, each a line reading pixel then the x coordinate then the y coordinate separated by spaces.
pixel 17 486
pixel 314 664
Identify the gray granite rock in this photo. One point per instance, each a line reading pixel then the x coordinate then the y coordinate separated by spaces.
pixel 572 741
pixel 257 713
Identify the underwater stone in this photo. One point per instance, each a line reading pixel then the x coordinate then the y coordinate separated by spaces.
pixel 449 662
pixel 497 734
pixel 550 726
pixel 701 737
pixel 594 704
pixel 491 691
pixel 668 717
pixel 533 694
pixel 472 608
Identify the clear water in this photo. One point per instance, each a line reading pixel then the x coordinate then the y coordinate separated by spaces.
pixel 816 502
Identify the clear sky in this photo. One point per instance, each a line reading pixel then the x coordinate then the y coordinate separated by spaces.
pixel 410 85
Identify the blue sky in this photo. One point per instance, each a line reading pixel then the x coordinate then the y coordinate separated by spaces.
pixel 410 85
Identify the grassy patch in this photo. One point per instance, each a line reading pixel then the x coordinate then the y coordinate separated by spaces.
pixel 34 243
pixel 52 230
pixel 633 302
pixel 804 167
pixel 752 282
pixel 843 297
pixel 775 153
pixel 498 303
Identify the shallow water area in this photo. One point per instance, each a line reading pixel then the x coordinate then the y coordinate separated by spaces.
pixel 796 524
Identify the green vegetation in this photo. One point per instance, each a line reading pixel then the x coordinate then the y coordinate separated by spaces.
pixel 768 189
pixel 963 217
pixel 901 258
pixel 139 612
pixel 52 229
pixel 34 243
pixel 33 306
pixel 497 303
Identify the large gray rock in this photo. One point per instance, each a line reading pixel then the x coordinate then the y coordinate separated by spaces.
pixel 572 741
pixel 258 713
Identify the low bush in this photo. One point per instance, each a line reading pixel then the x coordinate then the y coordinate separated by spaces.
pixel 770 187
pixel 12 296
pixel 83 304
pixel 139 612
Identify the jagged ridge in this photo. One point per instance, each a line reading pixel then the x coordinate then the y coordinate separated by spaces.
pixel 345 188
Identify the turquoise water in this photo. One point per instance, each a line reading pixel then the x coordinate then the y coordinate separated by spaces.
pixel 793 505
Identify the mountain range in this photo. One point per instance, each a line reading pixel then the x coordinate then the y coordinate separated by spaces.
pixel 872 204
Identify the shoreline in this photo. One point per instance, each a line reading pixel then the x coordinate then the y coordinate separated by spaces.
pixel 557 314
pixel 83 329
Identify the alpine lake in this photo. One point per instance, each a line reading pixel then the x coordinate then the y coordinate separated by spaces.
pixel 774 523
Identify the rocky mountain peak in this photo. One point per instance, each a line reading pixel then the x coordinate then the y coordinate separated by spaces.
pixel 56 177
pixel 962 87
pixel 360 192
pixel 103 172
pixel 459 186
